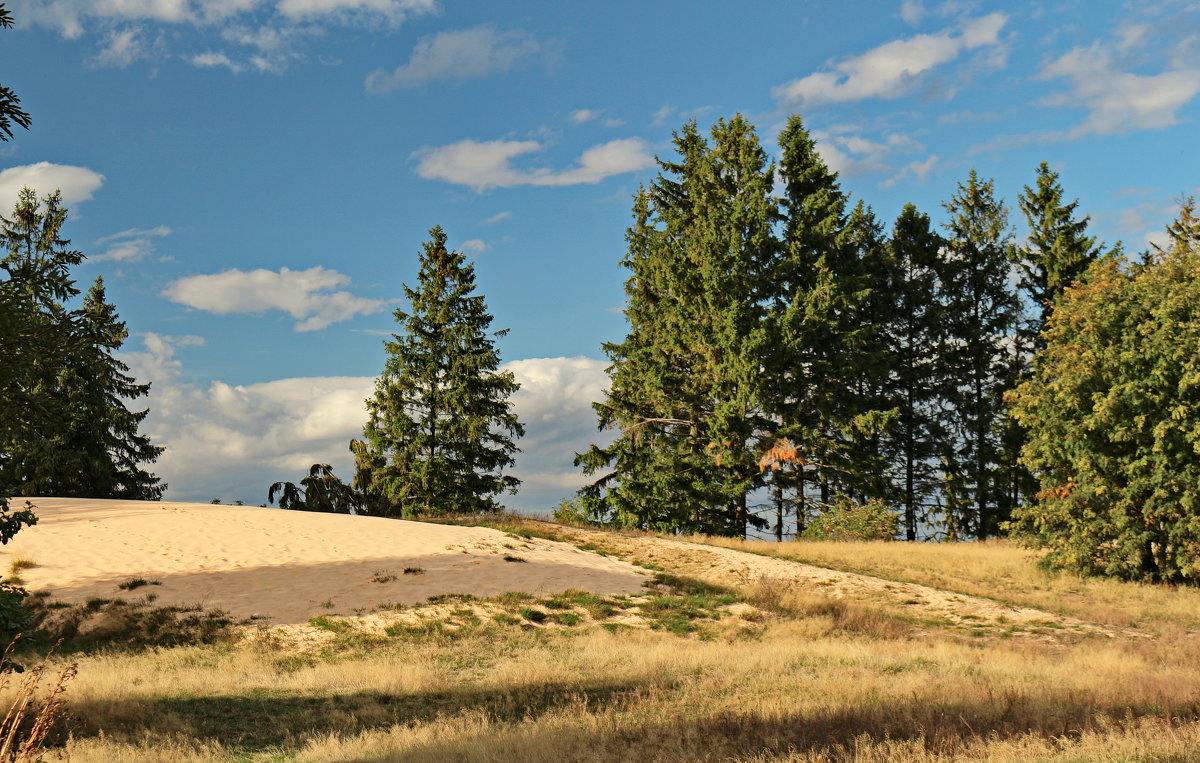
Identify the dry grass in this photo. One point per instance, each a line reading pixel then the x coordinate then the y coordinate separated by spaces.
pixel 770 673
pixel 34 708
pixel 998 570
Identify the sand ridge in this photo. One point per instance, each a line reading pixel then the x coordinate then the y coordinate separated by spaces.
pixel 287 566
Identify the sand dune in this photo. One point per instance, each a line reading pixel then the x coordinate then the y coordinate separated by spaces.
pixel 287 566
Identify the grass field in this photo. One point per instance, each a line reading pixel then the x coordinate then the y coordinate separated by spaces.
pixel 695 669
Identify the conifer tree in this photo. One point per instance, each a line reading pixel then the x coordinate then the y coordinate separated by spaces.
pixel 809 309
pixel 1057 252
pixel 67 430
pixel 440 422
pixel 918 378
pixel 981 329
pixel 685 390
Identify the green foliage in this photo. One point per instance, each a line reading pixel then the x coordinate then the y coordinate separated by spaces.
pixel 14 617
pixel 11 112
pixel 321 490
pixel 1113 416
pixel 64 426
pixel 848 520
pixel 11 521
pixel 440 429
pixel 684 389
pixel 983 357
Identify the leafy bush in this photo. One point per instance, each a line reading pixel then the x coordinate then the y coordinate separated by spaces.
pixel 848 520
pixel 1113 419
pixel 14 617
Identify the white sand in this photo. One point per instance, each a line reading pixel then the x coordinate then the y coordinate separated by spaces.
pixel 288 566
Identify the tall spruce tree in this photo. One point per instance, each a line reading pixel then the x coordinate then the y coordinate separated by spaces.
pixel 1058 249
pixel 918 380
pixel 67 430
pixel 685 388
pixel 11 113
pixel 809 308
pixel 982 315
pixel 441 426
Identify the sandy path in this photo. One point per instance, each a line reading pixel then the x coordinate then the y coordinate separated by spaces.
pixel 724 566
pixel 287 566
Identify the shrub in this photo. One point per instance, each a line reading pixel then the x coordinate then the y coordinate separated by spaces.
pixel 848 520
pixel 14 617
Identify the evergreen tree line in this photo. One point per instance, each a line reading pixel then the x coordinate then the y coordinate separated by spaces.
pixel 65 428
pixel 786 353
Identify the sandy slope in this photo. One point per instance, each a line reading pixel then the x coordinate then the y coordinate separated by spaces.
pixel 287 566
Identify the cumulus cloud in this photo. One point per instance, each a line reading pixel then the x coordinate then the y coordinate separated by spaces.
pixel 232 441
pixel 133 245
pixel 579 116
pixel 306 295
pixel 489 164
pixel 76 183
pixel 457 56
pixel 1118 101
pixel 891 69
pixel 475 246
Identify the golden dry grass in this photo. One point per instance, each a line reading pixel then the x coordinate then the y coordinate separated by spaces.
pixel 999 570
pixel 783 675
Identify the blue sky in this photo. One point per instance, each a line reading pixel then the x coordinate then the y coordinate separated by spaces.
pixel 254 178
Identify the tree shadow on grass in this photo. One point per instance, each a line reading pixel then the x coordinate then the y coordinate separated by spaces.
pixel 261 719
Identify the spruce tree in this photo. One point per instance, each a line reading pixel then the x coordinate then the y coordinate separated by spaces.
pixel 441 425
pixel 1057 252
pixel 982 315
pixel 917 374
pixel 809 308
pixel 66 429
pixel 686 386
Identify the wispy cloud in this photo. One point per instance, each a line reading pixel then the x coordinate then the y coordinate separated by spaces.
pixel 475 246
pixel 457 56
pixel 133 245
pixel 892 69
pixel 276 26
pixel 485 165
pixel 1118 101
pixel 498 217
pixel 848 152
pixel 309 295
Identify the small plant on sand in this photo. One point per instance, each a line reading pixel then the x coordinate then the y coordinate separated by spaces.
pixel 383 576
pixel 413 571
pixel 514 559
pixel 533 615
pixel 21 563
pixel 133 583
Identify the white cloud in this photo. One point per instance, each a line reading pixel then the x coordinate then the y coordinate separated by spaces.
pixel 303 294
pixel 133 245
pixel 918 170
pixel 76 183
pixel 285 20
pixel 555 405
pixel 475 246
pixel 210 60
pixel 489 164
pixel 579 116
pixel 891 69
pixel 1118 101
pixel 912 11
pixel 121 48
pixel 458 55
pixel 612 122
pixel 233 441
pixel 498 217
pixel 849 153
